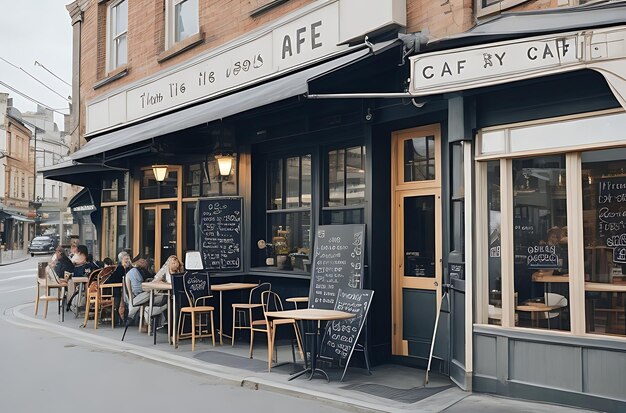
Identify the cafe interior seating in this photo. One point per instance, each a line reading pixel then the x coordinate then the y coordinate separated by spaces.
pixel 271 302
pixel 243 313
pixel 195 309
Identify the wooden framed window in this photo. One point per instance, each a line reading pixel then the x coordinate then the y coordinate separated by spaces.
pixel 117 34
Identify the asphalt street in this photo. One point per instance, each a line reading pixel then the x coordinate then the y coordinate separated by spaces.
pixel 42 371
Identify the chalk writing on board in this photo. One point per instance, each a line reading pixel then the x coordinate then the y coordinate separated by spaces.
pixel 337 263
pixel 542 256
pixel 619 255
pixel 219 220
pixel 612 210
pixel 342 335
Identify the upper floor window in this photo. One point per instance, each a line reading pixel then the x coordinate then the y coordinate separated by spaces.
pixel 182 20
pixel 484 7
pixel 118 34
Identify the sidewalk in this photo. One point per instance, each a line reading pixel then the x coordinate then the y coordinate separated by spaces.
pixel 13 257
pixel 390 388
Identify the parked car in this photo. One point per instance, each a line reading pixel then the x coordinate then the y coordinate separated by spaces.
pixel 42 245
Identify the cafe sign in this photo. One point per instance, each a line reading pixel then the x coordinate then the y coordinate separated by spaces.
pixel 302 38
pixel 486 65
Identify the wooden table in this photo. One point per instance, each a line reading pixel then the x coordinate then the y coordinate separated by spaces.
pixel 535 308
pixel 154 286
pixel 296 300
pixel 548 279
pixel 310 314
pixel 229 287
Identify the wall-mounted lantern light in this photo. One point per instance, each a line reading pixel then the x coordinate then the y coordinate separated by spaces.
pixel 224 163
pixel 160 172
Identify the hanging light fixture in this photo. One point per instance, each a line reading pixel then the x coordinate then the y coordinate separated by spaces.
pixel 224 163
pixel 160 172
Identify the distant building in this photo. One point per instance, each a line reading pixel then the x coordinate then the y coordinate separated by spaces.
pixel 16 178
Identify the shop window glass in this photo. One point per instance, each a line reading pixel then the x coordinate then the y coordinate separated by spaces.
pixel 494 266
pixel 540 242
pixel 151 189
pixel 345 176
pixel 291 235
pixel 114 190
pixel 419 159
pixel 343 217
pixel 288 215
pixel 122 228
pixel 604 227
pixel 189 234
pixel 203 179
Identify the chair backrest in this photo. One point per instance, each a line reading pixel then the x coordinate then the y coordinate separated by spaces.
pixel 51 276
pixel 196 285
pixel 103 274
pixel 557 300
pixel 255 293
pixel 128 298
pixel 271 301
pixel 41 269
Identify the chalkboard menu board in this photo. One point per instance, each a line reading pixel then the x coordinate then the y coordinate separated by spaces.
pixel 337 263
pixel 219 235
pixel 611 211
pixel 341 336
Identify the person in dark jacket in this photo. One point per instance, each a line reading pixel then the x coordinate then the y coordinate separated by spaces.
pixel 62 263
pixel 82 268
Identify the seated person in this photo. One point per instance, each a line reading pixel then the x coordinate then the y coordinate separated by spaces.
pixel 62 263
pixel 117 277
pixel 171 266
pixel 107 261
pixel 136 276
pixel 82 268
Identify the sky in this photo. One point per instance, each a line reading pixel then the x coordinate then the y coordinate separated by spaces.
pixel 36 30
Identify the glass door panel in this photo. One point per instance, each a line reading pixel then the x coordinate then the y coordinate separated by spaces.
pixel 148 232
pixel 167 215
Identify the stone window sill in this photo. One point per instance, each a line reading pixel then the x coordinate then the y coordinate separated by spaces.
pixel 181 47
pixel 112 76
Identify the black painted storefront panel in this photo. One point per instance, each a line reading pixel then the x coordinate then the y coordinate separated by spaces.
pixel 419 309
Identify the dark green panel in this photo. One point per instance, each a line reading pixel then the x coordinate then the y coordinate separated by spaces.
pixel 419 310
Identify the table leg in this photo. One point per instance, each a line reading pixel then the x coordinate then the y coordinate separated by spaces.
pixel 314 369
pixel 149 321
pixel 169 319
pixel 174 326
pixel 221 308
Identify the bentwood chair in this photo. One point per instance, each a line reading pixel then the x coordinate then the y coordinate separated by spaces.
pixel 94 298
pixel 271 302
pixel 132 309
pixel 50 282
pixel 196 290
pixel 243 312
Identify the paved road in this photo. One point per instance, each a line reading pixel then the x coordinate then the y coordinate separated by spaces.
pixel 45 372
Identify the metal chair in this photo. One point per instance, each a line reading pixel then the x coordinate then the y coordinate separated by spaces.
pixel 196 289
pixel 241 310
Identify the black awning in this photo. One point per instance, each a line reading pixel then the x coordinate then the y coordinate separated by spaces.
pixel 273 91
pixel 82 201
pixel 515 25
pixel 87 175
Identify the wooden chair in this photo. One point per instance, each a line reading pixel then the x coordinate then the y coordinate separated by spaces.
pixel 247 309
pixel 196 290
pixel 94 297
pixel 271 302
pixel 132 310
pixel 49 282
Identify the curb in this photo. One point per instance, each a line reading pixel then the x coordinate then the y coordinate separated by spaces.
pixel 2 264
pixel 232 376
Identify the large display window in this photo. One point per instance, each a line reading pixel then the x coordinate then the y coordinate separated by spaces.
pixel 555 220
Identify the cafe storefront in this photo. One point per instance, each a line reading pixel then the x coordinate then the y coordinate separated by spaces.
pixel 541 117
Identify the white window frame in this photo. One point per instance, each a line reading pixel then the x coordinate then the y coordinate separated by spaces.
pixel 170 22
pixel 574 218
pixel 495 8
pixel 111 50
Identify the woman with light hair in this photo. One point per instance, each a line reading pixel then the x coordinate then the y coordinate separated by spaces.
pixel 171 266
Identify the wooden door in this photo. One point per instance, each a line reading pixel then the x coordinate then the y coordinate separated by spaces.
pixel 416 239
